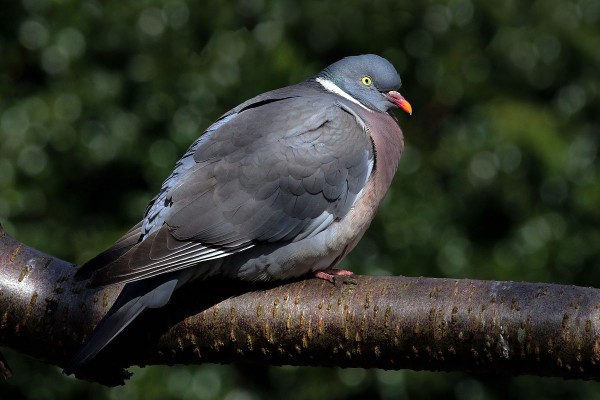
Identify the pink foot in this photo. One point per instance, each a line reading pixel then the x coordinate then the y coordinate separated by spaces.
pixel 329 274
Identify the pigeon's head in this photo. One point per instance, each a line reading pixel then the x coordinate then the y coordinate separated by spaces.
pixel 369 79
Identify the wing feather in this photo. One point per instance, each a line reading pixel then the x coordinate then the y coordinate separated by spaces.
pixel 269 171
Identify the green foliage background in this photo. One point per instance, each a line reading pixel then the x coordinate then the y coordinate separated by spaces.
pixel 500 179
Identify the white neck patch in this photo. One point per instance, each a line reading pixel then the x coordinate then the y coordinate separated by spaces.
pixel 333 88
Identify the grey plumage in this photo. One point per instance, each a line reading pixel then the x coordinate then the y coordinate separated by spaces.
pixel 284 184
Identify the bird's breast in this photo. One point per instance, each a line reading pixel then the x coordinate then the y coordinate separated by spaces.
pixel 388 144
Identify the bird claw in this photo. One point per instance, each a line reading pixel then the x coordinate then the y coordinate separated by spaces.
pixel 330 274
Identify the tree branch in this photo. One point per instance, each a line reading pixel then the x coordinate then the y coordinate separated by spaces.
pixel 368 322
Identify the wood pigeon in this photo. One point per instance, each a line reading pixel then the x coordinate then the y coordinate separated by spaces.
pixel 283 185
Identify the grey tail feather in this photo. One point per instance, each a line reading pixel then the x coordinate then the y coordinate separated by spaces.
pixel 134 299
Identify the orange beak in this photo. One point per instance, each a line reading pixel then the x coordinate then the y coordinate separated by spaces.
pixel 398 100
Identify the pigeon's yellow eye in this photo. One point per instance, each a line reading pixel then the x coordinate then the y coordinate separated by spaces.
pixel 366 80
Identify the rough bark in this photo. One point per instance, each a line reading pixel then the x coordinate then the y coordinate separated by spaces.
pixel 370 322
